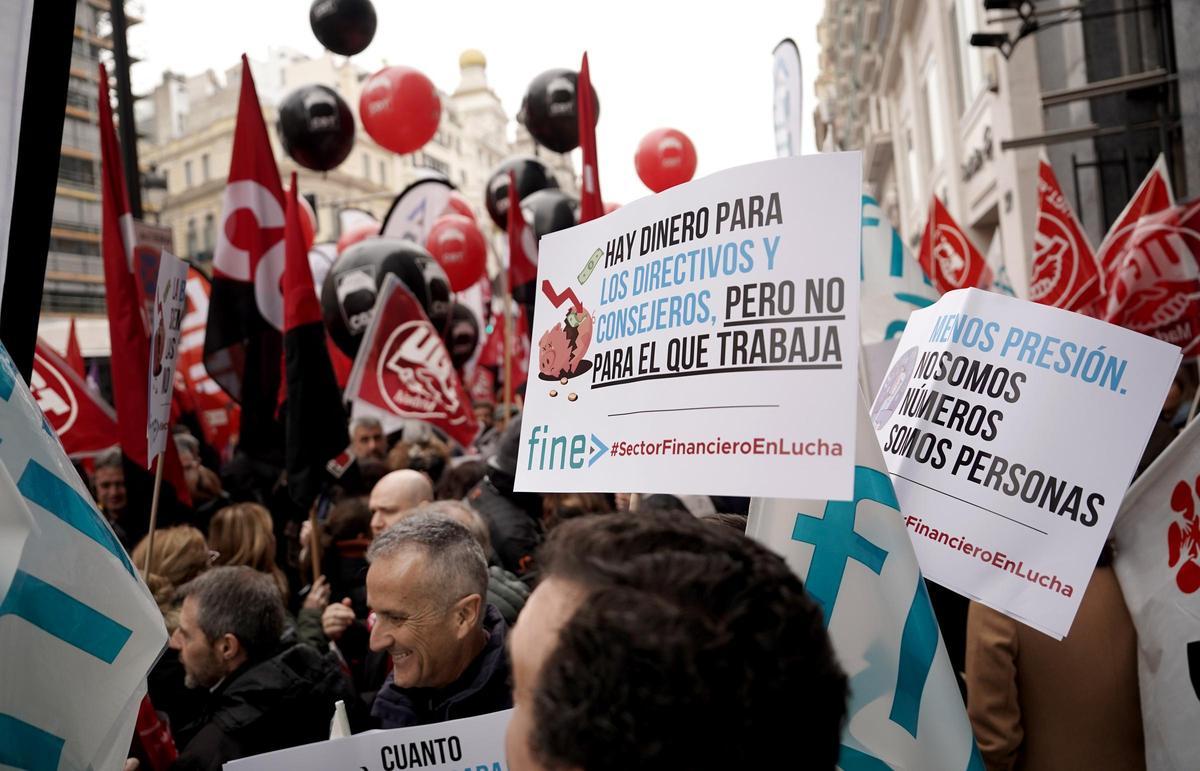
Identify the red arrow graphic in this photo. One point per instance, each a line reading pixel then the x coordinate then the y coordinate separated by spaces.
pixel 557 299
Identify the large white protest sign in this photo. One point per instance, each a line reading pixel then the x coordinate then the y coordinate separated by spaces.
pixel 78 628
pixel 1011 430
pixel 703 340
pixel 470 744
pixel 170 298
pixel 1158 564
pixel 857 562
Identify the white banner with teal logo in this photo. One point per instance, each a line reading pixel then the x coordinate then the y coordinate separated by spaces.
pixel 893 284
pixel 857 563
pixel 711 347
pixel 78 628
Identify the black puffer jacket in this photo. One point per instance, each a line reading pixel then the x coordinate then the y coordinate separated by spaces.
pixel 280 702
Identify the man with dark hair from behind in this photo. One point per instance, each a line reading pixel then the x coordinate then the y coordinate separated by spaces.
pixel 262 696
pixel 666 643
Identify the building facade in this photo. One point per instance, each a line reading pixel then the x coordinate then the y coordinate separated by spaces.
pixel 1097 90
pixel 74 281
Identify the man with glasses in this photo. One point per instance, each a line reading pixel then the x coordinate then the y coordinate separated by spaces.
pixel 427 585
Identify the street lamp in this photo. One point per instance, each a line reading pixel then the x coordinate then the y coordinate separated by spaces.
pixel 155 185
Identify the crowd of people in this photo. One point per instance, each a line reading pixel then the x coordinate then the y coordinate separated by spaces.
pixel 626 631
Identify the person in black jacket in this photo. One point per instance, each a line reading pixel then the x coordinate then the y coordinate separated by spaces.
pixel 514 519
pixel 262 696
pixel 427 583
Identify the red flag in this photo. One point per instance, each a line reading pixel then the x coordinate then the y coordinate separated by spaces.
pixel 217 414
pixel 591 205
pixel 1154 287
pixel 522 249
pixel 316 418
pixel 85 424
pixel 492 354
pixel 948 257
pixel 404 369
pixel 74 355
pixel 1065 273
pixel 1152 196
pixel 130 356
pixel 243 346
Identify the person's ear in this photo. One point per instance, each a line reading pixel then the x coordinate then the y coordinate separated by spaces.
pixel 228 647
pixel 466 614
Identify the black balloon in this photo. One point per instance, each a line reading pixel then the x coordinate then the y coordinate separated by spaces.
pixel 316 127
pixel 345 27
pixel 437 285
pixel 349 292
pixel 548 211
pixel 461 334
pixel 532 176
pixel 549 112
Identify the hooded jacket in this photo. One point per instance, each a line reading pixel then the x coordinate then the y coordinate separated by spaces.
pixel 483 687
pixel 273 704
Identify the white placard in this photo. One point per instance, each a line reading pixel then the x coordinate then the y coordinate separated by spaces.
pixel 170 301
pixel 703 340
pixel 1011 431
pixel 470 744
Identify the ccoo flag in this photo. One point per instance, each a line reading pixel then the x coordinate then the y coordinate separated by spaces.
pixel 857 562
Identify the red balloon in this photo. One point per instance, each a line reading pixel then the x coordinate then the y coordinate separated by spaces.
pixel 355 234
pixel 400 109
pixel 458 246
pixel 458 204
pixel 665 158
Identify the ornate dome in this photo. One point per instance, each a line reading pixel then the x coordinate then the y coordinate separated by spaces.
pixel 472 58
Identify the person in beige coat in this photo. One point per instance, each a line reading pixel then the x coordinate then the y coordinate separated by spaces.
pixel 1036 703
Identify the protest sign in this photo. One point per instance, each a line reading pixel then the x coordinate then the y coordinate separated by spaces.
pixel 470 744
pixel 1011 430
pixel 857 563
pixel 403 369
pixel 74 615
pixel 689 332
pixel 1157 539
pixel 169 297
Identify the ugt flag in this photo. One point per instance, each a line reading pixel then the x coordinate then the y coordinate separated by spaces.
pixel 78 628
pixel 1157 536
pixel 403 368
pixel 1065 273
pixel 947 255
pixel 84 423
pixel 892 283
pixel 857 562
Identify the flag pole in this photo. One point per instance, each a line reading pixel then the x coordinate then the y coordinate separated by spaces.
pixel 314 552
pixel 158 475
pixel 508 328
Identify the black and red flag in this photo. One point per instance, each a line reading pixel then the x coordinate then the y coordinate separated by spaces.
pixel 522 248
pixel 243 344
pixel 315 417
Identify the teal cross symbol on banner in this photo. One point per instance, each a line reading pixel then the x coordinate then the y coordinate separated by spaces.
pixel 835 542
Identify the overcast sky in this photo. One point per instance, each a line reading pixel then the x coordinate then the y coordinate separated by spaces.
pixel 704 69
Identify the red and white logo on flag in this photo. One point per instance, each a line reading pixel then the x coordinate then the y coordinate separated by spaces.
pixel 403 367
pixel 1064 273
pixel 948 257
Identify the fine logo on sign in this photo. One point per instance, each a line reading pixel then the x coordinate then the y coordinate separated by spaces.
pixel 415 374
